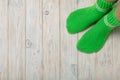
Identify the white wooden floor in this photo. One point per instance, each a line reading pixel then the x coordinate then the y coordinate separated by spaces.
pixel 34 44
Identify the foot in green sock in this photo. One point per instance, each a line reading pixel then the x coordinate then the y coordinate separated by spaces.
pixel 94 39
pixel 82 18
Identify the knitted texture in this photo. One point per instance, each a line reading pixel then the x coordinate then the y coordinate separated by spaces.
pixel 80 19
pixel 94 39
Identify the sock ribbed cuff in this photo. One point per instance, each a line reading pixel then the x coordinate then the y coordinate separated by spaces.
pixel 104 4
pixel 110 19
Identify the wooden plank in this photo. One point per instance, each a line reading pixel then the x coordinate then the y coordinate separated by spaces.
pixel 104 60
pixel 16 40
pixel 116 53
pixel 86 62
pixel 51 39
pixel 34 52
pixel 3 40
pixel 68 50
pixel 86 67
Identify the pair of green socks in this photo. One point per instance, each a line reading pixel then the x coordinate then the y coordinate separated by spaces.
pixel 94 39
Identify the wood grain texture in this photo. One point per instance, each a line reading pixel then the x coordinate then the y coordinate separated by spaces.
pixel 16 31
pixel 116 51
pixel 4 40
pixel 35 45
pixel 34 52
pixel 51 58
pixel 68 43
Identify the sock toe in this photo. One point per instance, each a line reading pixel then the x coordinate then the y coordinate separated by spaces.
pixel 84 49
pixel 94 39
pixel 81 19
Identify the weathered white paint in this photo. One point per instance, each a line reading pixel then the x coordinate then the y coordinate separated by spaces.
pixel 34 44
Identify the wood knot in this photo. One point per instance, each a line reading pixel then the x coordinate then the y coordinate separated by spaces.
pixel 46 12
pixel 74 69
pixel 28 43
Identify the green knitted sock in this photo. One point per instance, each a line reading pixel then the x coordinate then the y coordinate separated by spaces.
pixel 94 39
pixel 82 18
